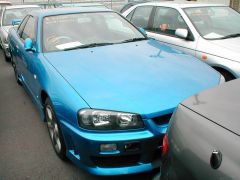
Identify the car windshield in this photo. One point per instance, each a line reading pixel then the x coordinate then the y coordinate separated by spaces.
pixel 72 31
pixel 215 22
pixel 16 13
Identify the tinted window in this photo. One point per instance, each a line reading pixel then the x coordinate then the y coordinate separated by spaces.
pixel 167 20
pixel 29 29
pixel 141 16
pixel 62 32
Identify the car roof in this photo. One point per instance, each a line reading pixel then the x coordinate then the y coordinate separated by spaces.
pixel 82 4
pixel 179 4
pixel 21 6
pixel 61 11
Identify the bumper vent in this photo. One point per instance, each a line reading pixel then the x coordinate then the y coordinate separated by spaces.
pixel 161 120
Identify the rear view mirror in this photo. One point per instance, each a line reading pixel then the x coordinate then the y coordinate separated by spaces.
pixel 28 45
pixel 16 22
pixel 182 33
pixel 142 31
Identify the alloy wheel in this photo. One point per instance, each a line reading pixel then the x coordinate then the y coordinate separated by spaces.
pixel 53 129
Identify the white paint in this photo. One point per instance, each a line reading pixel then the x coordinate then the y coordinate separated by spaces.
pixel 68 45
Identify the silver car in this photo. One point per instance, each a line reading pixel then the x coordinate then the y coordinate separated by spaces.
pixel 210 32
pixel 203 137
pixel 9 14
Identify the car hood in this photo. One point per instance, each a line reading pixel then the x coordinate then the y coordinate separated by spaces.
pixel 220 105
pixel 226 48
pixel 144 77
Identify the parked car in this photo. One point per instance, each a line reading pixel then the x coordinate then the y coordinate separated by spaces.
pixel 203 141
pixel 9 14
pixel 106 106
pixel 77 5
pixel 50 5
pixel 130 4
pixel 208 31
pixel 3 4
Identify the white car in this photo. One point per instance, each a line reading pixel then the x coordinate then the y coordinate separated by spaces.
pixel 210 32
pixel 9 14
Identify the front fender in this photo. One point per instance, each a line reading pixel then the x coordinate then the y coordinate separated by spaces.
pixel 65 99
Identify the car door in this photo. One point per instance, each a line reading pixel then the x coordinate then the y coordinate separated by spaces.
pixel 27 58
pixel 165 22
pixel 15 48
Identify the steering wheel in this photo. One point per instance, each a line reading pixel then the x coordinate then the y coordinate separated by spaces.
pixel 56 40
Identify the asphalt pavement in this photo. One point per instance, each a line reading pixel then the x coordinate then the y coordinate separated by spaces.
pixel 26 151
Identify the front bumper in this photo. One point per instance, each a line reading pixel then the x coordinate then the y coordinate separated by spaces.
pixel 83 148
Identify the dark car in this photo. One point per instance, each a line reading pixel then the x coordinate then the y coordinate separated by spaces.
pixel 203 141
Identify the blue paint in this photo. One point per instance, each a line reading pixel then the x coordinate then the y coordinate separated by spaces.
pixel 143 77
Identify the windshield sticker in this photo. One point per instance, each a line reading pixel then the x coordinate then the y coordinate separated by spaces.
pixel 68 45
pixel 213 35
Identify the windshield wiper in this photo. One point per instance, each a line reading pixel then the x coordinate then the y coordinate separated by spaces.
pixel 133 40
pixel 231 36
pixel 87 46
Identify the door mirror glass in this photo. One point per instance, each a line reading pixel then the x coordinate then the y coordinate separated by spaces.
pixel 16 22
pixel 28 45
pixel 182 33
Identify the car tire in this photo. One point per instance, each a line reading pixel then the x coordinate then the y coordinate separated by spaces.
pixel 7 59
pixel 15 72
pixel 54 130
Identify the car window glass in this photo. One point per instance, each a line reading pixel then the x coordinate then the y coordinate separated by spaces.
pixel 141 16
pixel 214 22
pixel 29 29
pixel 22 25
pixel 116 25
pixel 167 20
pixel 16 13
pixel 61 32
pixel 129 16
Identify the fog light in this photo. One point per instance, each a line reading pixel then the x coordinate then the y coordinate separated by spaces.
pixel 108 147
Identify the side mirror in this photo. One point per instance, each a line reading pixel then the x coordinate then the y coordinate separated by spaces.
pixel 28 45
pixel 16 22
pixel 182 33
pixel 142 31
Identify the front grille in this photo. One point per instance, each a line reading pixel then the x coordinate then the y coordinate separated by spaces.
pixel 161 120
pixel 116 161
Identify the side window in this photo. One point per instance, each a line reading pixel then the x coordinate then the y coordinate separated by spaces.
pixel 167 20
pixel 22 25
pixel 29 29
pixel 141 16
pixel 129 16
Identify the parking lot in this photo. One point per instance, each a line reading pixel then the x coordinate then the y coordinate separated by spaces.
pixel 25 147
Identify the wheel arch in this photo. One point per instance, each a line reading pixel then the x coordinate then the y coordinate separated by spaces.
pixel 224 70
pixel 44 96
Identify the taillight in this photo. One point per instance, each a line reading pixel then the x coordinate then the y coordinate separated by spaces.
pixel 165 145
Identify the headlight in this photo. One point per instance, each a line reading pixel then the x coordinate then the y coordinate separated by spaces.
pixel 222 79
pixel 108 120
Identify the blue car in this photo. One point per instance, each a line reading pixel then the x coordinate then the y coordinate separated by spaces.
pixel 105 91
